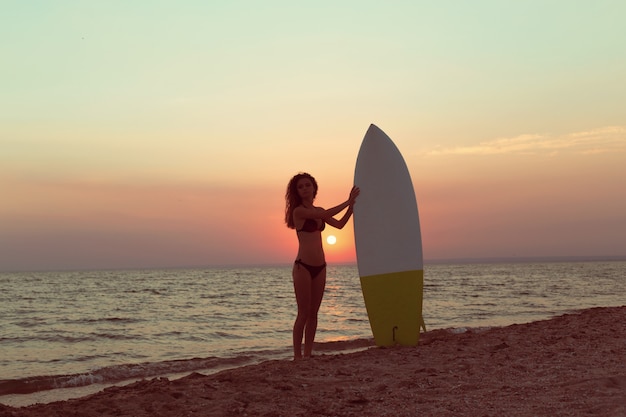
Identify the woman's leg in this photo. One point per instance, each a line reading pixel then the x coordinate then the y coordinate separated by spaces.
pixel 302 288
pixel 318 284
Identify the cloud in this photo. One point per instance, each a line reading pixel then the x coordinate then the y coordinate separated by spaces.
pixel 595 141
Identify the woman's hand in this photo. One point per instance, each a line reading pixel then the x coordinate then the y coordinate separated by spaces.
pixel 354 193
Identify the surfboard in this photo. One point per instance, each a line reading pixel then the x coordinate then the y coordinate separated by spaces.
pixel 388 242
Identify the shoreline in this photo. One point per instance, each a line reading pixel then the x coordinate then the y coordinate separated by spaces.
pixel 573 364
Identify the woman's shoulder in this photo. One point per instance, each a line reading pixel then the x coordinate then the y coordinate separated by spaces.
pixel 304 211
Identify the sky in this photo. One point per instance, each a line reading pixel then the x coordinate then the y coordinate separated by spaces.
pixel 163 133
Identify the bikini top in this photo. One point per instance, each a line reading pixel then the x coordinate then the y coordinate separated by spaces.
pixel 310 225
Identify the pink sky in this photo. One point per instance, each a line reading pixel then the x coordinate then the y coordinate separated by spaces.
pixel 478 202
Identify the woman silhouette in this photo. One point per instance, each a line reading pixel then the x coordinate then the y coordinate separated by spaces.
pixel 309 269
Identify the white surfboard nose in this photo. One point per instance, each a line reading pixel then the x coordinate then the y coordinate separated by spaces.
pixel 386 219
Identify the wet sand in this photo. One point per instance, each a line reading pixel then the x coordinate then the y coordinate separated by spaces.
pixel 571 365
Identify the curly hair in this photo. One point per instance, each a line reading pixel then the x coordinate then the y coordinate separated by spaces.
pixel 292 198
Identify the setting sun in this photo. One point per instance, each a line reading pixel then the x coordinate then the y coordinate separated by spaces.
pixel 331 240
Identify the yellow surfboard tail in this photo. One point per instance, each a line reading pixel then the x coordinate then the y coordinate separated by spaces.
pixel 394 306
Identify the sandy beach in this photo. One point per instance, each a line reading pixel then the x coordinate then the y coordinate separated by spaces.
pixel 570 365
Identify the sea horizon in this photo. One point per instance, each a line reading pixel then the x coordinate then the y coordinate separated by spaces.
pixel 427 261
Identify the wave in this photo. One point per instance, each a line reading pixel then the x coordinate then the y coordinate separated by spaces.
pixel 127 372
pixel 117 373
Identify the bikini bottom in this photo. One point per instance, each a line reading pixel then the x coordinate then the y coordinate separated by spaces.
pixel 314 270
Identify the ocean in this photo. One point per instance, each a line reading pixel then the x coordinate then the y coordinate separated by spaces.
pixel 68 334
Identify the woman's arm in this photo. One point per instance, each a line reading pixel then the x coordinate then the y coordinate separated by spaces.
pixel 354 193
pixel 339 224
pixel 327 214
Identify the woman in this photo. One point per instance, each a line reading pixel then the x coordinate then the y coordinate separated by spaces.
pixel 309 269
